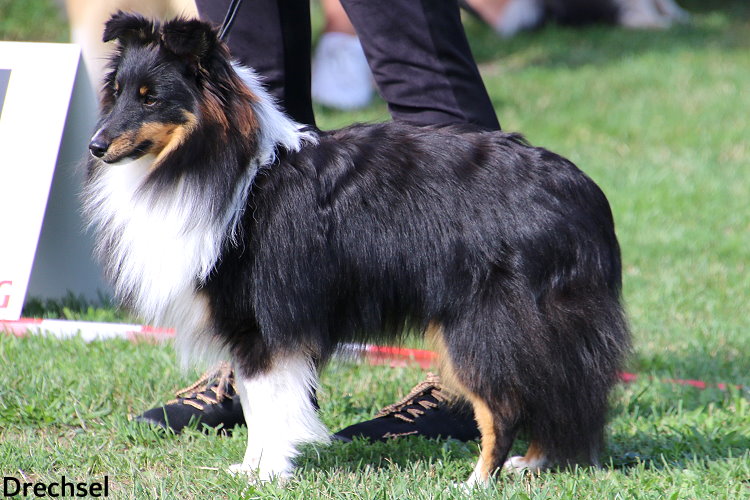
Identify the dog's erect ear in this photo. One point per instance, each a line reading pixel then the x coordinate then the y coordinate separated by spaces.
pixel 128 28
pixel 189 38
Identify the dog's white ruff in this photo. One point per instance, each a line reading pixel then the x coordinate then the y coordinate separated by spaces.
pixel 280 415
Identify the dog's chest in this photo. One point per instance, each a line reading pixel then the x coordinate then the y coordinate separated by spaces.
pixel 157 246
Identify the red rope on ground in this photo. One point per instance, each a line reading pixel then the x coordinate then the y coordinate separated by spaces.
pixel 403 356
pixel 373 354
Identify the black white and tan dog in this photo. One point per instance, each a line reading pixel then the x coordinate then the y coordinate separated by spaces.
pixel 270 243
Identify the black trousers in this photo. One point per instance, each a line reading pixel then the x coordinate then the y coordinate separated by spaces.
pixel 417 51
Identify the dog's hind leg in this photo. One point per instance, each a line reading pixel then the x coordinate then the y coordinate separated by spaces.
pixel 280 414
pixel 498 431
pixel 495 410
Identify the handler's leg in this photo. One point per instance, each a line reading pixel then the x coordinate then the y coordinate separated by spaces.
pixel 421 61
pixel 273 38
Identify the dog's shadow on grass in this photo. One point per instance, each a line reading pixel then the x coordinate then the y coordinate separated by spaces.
pixel 678 447
pixel 663 426
pixel 400 453
pixel 655 424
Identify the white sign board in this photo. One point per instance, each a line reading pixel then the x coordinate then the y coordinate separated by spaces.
pixel 44 129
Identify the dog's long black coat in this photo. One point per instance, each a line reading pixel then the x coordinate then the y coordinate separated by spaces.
pixel 504 253
pixel 510 248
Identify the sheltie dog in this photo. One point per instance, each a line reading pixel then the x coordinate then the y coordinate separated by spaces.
pixel 271 243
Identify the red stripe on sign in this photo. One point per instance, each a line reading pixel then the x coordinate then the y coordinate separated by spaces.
pixel 151 334
pixel 19 328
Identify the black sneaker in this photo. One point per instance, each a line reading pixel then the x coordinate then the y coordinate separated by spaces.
pixel 210 403
pixel 426 411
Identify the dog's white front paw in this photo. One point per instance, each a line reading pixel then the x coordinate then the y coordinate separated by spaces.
pixel 243 470
pixel 257 471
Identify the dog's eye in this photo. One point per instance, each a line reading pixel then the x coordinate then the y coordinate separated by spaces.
pixel 149 100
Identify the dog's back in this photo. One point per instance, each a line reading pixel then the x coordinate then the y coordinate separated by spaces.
pixel 505 254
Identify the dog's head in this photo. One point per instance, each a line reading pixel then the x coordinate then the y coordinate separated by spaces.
pixel 164 79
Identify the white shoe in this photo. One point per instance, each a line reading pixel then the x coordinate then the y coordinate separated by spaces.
pixel 654 14
pixel 341 77
pixel 518 15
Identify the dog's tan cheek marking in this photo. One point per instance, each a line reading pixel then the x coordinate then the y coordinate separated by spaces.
pixel 165 137
pixel 176 136
pixel 155 132
pixel 122 145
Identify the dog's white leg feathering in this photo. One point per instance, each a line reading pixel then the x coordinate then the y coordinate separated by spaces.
pixel 280 415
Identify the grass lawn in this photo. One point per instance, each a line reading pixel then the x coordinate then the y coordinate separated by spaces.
pixel 661 120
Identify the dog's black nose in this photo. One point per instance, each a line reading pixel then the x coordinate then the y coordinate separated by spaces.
pixel 98 147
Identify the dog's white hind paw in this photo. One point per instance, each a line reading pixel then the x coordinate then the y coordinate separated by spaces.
pixel 518 464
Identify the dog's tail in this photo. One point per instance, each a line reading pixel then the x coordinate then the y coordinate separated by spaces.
pixel 567 398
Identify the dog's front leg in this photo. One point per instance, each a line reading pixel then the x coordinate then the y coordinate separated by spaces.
pixel 280 415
